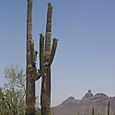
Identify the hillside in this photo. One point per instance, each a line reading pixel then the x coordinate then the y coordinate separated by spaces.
pixel 72 106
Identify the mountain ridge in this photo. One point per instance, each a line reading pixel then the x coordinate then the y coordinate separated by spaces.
pixel 72 106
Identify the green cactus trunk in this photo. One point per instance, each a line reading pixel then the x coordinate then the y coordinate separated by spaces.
pixel 93 111
pixel 46 80
pixel 30 82
pixel 108 111
pixel 78 113
pixel 48 58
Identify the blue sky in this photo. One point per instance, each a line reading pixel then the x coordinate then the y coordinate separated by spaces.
pixel 85 57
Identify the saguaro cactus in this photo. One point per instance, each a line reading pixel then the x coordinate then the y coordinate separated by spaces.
pixel 31 71
pixel 46 57
pixel 108 110
pixel 78 113
pixel 93 111
pixel 30 83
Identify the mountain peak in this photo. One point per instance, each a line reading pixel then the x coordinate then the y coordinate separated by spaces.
pixel 88 94
pixel 69 100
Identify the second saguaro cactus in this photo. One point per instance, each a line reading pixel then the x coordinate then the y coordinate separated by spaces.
pixel 46 57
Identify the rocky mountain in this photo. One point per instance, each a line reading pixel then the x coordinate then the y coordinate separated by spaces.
pixel 72 106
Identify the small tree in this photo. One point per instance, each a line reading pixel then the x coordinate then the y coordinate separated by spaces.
pixel 12 94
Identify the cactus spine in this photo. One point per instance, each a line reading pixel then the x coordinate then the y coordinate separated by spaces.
pixel 46 57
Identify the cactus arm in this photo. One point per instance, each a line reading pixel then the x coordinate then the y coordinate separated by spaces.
pixel 40 72
pixel 49 17
pixel 48 36
pixel 48 27
pixel 41 54
pixel 33 55
pixel 53 50
pixel 36 74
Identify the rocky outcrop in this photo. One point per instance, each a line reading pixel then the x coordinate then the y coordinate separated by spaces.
pixel 88 94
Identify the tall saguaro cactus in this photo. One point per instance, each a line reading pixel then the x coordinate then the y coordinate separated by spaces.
pixel 30 83
pixel 47 54
pixel 31 71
